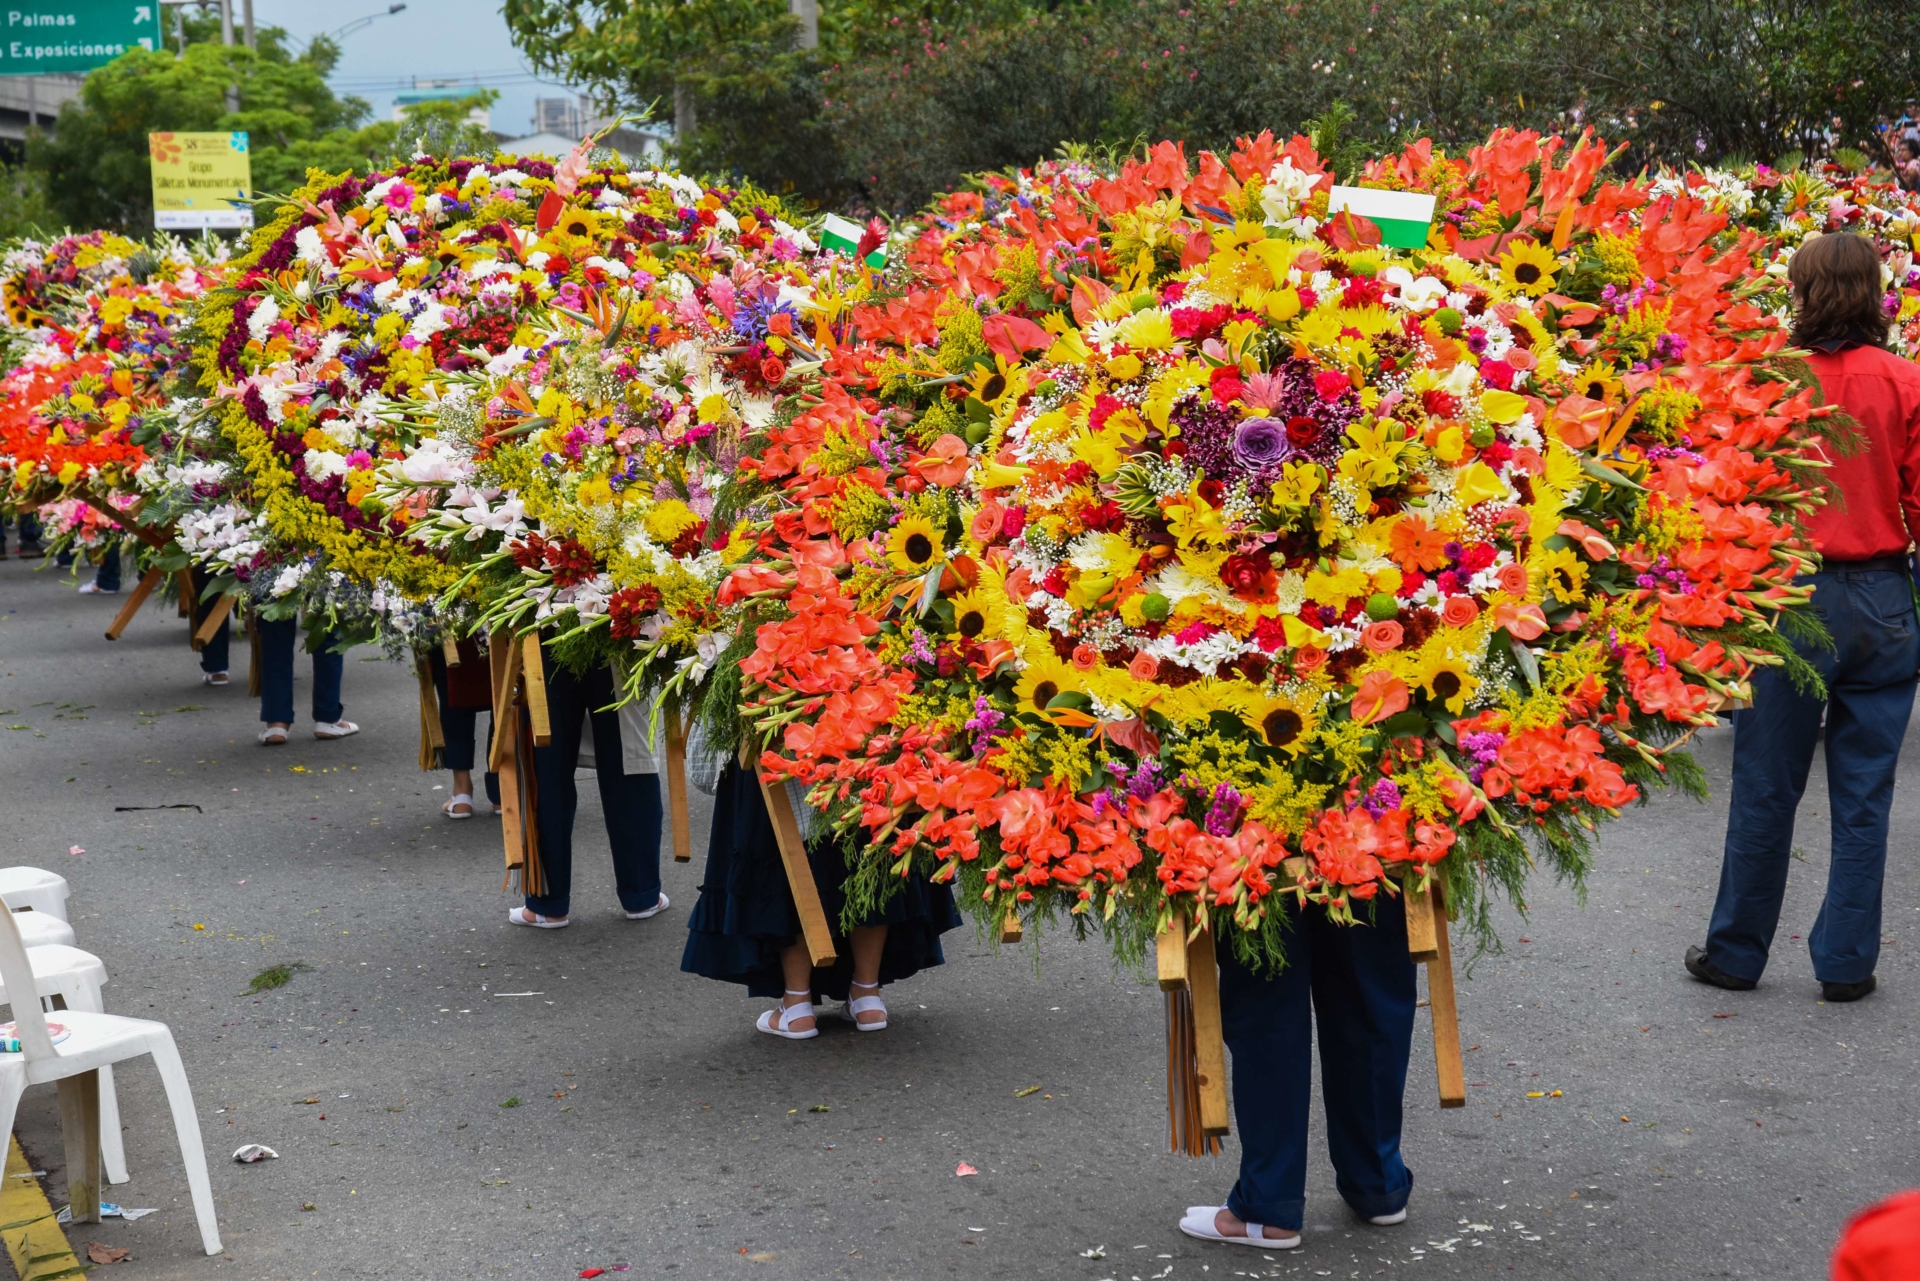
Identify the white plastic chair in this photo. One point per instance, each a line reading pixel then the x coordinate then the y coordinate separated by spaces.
pixel 96 1041
pixel 39 929
pixel 76 977
pixel 34 887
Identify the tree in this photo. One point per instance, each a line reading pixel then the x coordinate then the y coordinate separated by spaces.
pixel 96 169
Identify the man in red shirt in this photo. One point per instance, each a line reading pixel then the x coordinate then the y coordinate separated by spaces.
pixel 1865 596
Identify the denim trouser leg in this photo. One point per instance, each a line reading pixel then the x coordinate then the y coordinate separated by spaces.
pixel 631 802
pixel 1870 675
pixel 276 673
pixel 276 668
pixel 108 575
pixel 214 655
pixel 1358 982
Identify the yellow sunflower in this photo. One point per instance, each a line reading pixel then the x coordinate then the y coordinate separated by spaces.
pixel 1529 267
pixel 1445 678
pixel 974 615
pixel 1597 381
pixel 1046 678
pixel 914 545
pixel 582 224
pixel 1284 723
pixel 990 383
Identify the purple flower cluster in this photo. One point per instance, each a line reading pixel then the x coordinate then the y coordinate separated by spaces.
pixel 1381 797
pixel 984 721
pixel 1664 576
pixel 1223 816
pixel 1482 750
pixel 1208 430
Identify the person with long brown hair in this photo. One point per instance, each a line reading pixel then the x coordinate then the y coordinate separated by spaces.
pixel 1864 593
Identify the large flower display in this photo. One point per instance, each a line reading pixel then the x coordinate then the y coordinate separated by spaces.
pixel 1208 554
pixel 101 329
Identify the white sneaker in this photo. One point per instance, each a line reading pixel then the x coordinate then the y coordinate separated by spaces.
pixel 335 729
pixel 655 910
pixel 1388 1220
pixel 95 589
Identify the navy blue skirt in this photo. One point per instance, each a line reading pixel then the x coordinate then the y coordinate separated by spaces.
pixel 745 917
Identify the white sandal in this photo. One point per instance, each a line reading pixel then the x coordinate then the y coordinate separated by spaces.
pixel 521 916
pixel 776 1022
pixel 858 1005
pixel 335 729
pixel 273 736
pixel 461 798
pixel 1199 1224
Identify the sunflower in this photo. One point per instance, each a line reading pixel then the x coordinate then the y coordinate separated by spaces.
pixel 914 545
pixel 1445 678
pixel 1283 723
pixel 1044 679
pixel 1529 267
pixel 974 615
pixel 582 224
pixel 1597 381
pixel 989 383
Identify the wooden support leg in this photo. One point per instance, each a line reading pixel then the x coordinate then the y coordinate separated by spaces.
pixel 189 598
pixel 80 1127
pixel 211 624
pixel 148 581
pixel 1448 1064
pixel 1172 954
pixel 1010 928
pixel 1210 1047
pixel 432 737
pixel 1421 944
pixel 806 895
pixel 677 810
pixel 535 670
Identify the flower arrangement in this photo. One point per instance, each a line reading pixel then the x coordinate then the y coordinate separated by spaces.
pixel 1184 547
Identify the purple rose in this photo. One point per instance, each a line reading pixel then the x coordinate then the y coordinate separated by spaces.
pixel 1260 443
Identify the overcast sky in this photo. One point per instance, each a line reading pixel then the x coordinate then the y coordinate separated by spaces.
pixel 431 38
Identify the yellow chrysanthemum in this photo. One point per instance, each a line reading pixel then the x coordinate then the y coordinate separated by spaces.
pixel 914 545
pixel 1045 679
pixel 668 520
pixel 1529 267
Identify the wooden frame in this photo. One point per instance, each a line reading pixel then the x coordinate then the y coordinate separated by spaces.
pixel 1427 940
pixel 675 768
pixel 148 581
pixel 814 925
pixel 211 625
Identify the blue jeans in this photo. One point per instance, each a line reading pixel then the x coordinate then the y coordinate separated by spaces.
pixel 107 577
pixel 1357 983
pixel 276 673
pixel 1870 683
pixel 630 802
pixel 213 657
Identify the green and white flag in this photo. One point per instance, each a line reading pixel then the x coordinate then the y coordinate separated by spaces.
pixel 1403 217
pixel 844 235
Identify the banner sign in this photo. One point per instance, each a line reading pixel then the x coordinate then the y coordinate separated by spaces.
pixel 201 180
pixel 38 39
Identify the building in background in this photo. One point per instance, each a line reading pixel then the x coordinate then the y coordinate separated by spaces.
pixel 31 101
pixel 426 90
pixel 560 123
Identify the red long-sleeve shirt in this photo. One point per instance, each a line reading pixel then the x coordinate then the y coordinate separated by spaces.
pixel 1881 482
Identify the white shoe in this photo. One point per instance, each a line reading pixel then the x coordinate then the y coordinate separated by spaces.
pixel 1388 1220
pixel 460 799
pixel 522 916
pixel 273 736
pixel 1199 1224
pixel 777 1022
pixel 858 1005
pixel 335 729
pixel 216 679
pixel 655 910
pixel 95 589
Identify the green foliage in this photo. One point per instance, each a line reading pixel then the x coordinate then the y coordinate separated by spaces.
pixel 901 99
pixel 95 170
pixel 23 203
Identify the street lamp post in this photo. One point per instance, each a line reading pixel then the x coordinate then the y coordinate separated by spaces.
pixel 359 23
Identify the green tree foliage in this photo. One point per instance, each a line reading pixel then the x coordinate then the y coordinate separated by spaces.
pixel 95 168
pixel 901 98
pixel 23 203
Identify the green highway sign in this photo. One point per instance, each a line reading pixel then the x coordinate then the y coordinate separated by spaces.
pixel 73 35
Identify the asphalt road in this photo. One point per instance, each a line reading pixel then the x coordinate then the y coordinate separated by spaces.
pixel 498 1102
